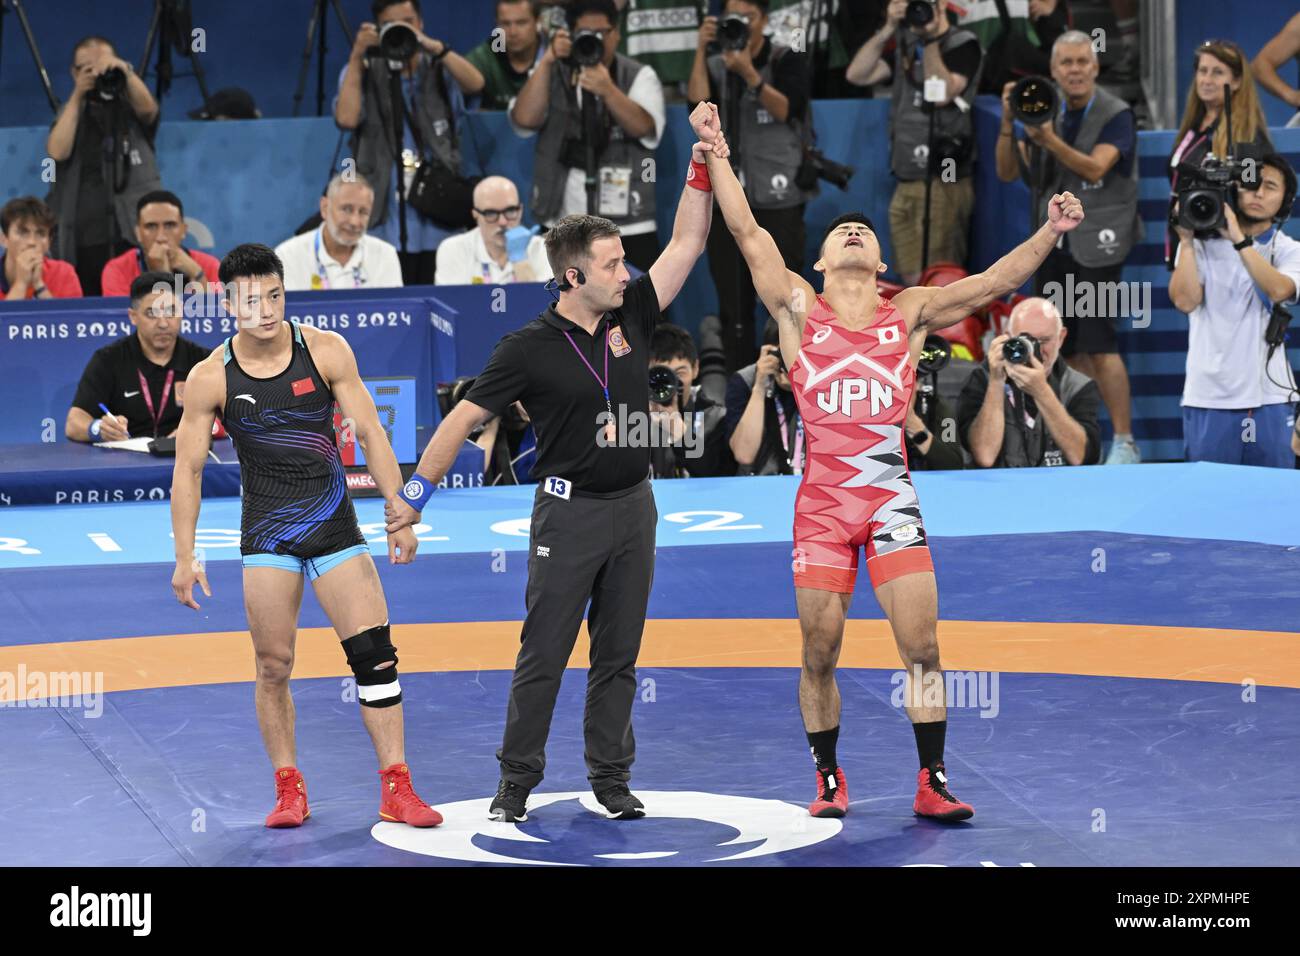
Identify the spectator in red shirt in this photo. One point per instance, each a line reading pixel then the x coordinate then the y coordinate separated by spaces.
pixel 159 231
pixel 26 270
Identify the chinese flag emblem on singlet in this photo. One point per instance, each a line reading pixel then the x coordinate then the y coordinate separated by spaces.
pixel 303 386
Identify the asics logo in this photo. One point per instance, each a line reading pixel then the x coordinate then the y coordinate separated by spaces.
pixel 246 397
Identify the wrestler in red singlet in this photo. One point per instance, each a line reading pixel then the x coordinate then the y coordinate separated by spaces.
pixel 853 387
pixel 852 366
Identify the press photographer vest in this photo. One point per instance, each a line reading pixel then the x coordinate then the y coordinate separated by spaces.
pixel 372 142
pixel 562 133
pixel 769 459
pixel 134 156
pixel 909 124
pixel 1025 447
pixel 1111 225
pixel 769 153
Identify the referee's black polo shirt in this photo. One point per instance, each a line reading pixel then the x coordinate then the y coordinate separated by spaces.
pixel 537 366
pixel 112 376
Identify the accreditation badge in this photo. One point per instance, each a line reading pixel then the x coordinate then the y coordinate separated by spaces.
pixel 617 343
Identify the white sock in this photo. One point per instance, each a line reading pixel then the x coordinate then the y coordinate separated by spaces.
pixel 1125 439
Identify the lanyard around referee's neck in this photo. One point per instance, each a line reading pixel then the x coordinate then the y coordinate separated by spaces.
pixel 603 382
pixel 162 402
pixel 324 277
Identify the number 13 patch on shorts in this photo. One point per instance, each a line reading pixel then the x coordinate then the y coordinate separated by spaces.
pixel 560 487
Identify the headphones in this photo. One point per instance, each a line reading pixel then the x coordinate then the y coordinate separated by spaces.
pixel 564 285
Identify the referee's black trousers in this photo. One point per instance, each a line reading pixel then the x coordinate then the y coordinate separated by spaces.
pixel 585 548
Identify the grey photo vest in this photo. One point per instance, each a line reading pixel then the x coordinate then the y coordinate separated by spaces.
pixel 372 141
pixel 624 165
pixel 769 152
pixel 1024 447
pixel 135 156
pixel 767 461
pixel 1111 224
pixel 909 123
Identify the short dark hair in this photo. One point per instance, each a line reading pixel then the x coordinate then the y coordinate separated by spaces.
pixel 147 282
pixel 1278 162
pixel 87 41
pixel 580 8
pixel 672 342
pixel 379 6
pixel 159 195
pixel 26 207
pixel 568 243
pixel 841 220
pixel 771 332
pixel 534 7
pixel 764 5
pixel 249 261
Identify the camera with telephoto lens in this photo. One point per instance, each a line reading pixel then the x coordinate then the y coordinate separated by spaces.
pixel 921 13
pixel 1204 191
pixel 111 84
pixel 934 355
pixel 733 32
pixel 816 166
pixel 664 385
pixel 1018 348
pixel 1034 100
pixel 397 42
pixel 588 48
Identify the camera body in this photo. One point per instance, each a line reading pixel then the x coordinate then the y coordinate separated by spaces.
pixel 1034 100
pixel 588 48
pixel 921 13
pixel 110 85
pixel 1017 349
pixel 816 166
pixel 1204 191
pixel 733 32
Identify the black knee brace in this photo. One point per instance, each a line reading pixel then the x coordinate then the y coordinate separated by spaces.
pixel 376 686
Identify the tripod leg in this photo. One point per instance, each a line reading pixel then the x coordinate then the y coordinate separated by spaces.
pixel 312 24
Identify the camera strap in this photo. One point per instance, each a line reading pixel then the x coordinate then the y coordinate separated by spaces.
pixel 795 459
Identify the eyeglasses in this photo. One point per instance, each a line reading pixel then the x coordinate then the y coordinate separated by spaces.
pixel 492 215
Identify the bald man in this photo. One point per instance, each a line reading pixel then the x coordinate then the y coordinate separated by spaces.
pixel 338 254
pixel 500 249
pixel 1033 413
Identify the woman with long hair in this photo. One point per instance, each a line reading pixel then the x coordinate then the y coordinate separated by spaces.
pixel 1219 63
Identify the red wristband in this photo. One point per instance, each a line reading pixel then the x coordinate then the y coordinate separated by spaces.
pixel 698 176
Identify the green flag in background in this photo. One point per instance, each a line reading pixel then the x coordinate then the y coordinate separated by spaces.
pixel 663 35
pixel 789 24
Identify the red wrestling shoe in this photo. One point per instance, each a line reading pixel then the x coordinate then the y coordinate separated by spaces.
pixel 400 803
pixel 933 799
pixel 290 799
pixel 832 795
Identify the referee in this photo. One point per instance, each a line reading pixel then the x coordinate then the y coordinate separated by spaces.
pixel 579 369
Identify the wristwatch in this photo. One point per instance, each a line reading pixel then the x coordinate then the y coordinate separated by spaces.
pixel 757 90
pixel 1245 243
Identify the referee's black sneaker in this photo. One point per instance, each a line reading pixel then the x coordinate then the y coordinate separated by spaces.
pixel 620 804
pixel 510 805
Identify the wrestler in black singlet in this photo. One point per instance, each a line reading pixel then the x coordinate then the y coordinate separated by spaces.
pixel 295 496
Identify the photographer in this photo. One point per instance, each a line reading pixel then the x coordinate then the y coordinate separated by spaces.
pixel 764 425
pixel 1090 148
pixel 1239 391
pixel 102 146
pixel 930 428
pixel 434 82
pixel 590 104
pixel 926 45
pixel 763 92
pixel 507 57
pixel 1022 407
pixel 692 431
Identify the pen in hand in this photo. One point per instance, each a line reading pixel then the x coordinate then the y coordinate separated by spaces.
pixel 111 422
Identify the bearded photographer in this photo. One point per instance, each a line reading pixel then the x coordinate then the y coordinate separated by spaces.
pixel 1088 147
pixel 926 45
pixel 102 146
pixel 690 427
pixel 1239 392
pixel 1024 407
pixel 598 116
pixel 763 91
pixel 434 82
